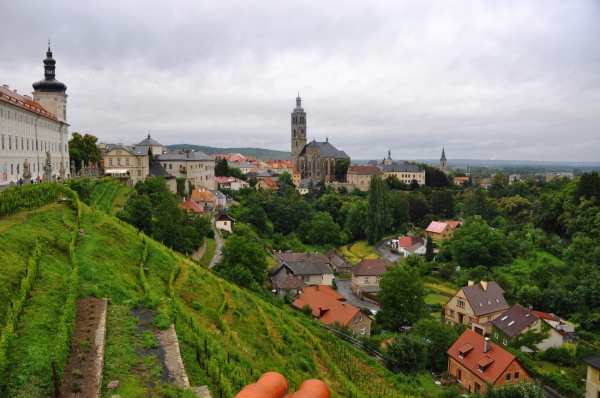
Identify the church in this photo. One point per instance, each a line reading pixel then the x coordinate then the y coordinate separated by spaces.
pixel 316 159
pixel 34 133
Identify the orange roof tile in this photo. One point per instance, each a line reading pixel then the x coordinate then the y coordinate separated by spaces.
pixel 22 102
pixel 500 358
pixel 325 290
pixel 191 205
pixel 453 223
pixel 270 183
pixel 326 308
pixel 203 196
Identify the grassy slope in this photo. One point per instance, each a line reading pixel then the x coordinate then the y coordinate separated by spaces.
pixel 246 335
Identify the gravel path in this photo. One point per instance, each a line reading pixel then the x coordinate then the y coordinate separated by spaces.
pixel 219 243
pixel 383 249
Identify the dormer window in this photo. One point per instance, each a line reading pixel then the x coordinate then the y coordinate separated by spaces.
pixel 503 318
pixel 464 350
pixel 483 363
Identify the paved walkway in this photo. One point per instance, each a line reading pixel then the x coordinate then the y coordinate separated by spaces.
pixel 345 289
pixel 383 249
pixel 219 243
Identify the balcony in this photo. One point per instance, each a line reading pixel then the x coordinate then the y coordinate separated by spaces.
pixel 182 170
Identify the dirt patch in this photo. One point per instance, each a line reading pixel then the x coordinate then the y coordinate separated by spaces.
pixel 80 378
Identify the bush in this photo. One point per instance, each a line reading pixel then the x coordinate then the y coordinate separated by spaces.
pixel 561 384
pixel 307 309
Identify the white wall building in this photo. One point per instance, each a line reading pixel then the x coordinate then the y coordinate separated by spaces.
pixel 30 127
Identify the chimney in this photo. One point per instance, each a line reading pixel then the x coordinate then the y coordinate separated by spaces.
pixel 471 283
pixel 15 91
pixel 5 86
pixel 317 288
pixel 484 285
pixel 486 345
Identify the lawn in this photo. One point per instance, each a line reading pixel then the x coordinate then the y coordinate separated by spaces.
pixel 209 252
pixel 358 250
pixel 433 298
pixel 549 366
pixel 271 262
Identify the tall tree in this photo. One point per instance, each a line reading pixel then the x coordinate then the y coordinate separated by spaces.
pixel 406 354
pixel 240 251
pixel 439 337
pixel 478 244
pixel 141 214
pixel 402 296
pixel 378 210
pixel 222 169
pixel 429 255
pixel 516 209
pixel 84 147
pixel 341 169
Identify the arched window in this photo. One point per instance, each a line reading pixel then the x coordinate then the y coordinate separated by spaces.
pixel 294 133
pixel 301 132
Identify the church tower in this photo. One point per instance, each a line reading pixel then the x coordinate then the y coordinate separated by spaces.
pixel 298 132
pixel 50 93
pixel 443 161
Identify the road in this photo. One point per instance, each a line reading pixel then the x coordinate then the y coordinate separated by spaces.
pixel 383 249
pixel 345 289
pixel 219 243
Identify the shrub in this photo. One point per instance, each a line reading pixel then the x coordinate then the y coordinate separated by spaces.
pixel 77 387
pixel 149 339
pixel 78 373
pixel 307 309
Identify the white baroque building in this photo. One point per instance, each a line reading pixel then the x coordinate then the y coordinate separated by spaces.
pixel 31 128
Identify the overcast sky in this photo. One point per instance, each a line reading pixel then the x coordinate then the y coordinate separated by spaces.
pixel 486 79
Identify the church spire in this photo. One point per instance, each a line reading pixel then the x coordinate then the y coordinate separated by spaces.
pixel 49 84
pixel 298 107
pixel 443 154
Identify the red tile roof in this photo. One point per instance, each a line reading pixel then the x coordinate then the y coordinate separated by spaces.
pixel 326 308
pixel 453 223
pixel 436 227
pixel 22 102
pixel 270 183
pixel 191 205
pixel 325 290
pixel 497 358
pixel 407 241
pixel 203 196
pixel 545 315
pixel 371 267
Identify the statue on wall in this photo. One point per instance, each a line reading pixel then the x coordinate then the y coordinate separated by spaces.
pixel 48 168
pixel 61 171
pixel 26 173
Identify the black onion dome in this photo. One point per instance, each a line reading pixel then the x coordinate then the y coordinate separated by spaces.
pixel 49 84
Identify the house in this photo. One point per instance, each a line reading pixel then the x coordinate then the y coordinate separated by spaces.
pixel 517 321
pixel 403 171
pixel 204 198
pixel 338 262
pixel 567 331
pixel 366 275
pixel 130 163
pixel 475 360
pixel 283 280
pixel 439 230
pixel 244 167
pixel 266 184
pixel 592 383
pixel 360 176
pixel 454 224
pixel 191 206
pixel 231 183
pixel 476 303
pixel 296 177
pixel 304 185
pixel 221 198
pixel 329 310
pixel 195 166
pixel 406 245
pixel 224 221
pixel 311 268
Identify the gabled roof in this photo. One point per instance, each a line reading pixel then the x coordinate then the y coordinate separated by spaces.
pixel 157 170
pixel 546 315
pixel 514 320
pixel 327 150
pixel 496 358
pixel 308 267
pixel 203 196
pixel 364 170
pixel 137 150
pixel 407 241
pixel 150 142
pixel 325 290
pixel 485 301
pixel 414 248
pixel 191 205
pixel 436 227
pixel 371 267
pixel 181 154
pixel 408 168
pixel 453 223
pixel 289 280
pixel 25 103
pixel 328 309
pixel 270 183
pixel 218 193
pixel 593 361
pixel 337 259
pixel 299 256
pixel 304 183
pixel 222 215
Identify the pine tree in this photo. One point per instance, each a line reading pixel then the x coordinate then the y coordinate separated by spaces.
pixel 378 216
pixel 429 256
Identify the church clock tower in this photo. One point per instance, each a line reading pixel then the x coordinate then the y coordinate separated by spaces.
pixel 298 132
pixel 443 161
pixel 50 93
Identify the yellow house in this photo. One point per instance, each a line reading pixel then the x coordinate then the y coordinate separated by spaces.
pixel 439 230
pixel 476 304
pixel 122 160
pixel 592 384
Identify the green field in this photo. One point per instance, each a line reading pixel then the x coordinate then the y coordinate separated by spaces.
pixel 228 336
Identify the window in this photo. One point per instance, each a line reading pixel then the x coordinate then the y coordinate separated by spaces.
pixel 451 312
pixel 496 334
pixel 508 376
pixel 118 161
pixel 366 279
pixel 489 318
pixel 363 330
pixel 477 387
pixel 460 303
pixel 170 166
pixel 224 222
pixel 2 142
pixel 470 320
pixel 139 162
pixel 127 162
pixel 516 375
pixel 139 173
pixel 305 278
pixel 27 144
pixel 355 320
pixel 505 341
pixel 110 161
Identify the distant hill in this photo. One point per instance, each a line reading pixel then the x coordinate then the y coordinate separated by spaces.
pixel 259 153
